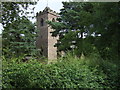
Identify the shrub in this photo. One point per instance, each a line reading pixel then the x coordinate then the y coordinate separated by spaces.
pixel 68 72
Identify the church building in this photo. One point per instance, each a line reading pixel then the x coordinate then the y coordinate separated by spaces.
pixel 45 41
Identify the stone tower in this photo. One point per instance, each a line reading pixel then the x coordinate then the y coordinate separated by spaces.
pixel 45 41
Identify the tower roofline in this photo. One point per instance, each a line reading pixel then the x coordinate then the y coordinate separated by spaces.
pixel 47 10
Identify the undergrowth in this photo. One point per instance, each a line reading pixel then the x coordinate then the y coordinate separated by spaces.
pixel 67 72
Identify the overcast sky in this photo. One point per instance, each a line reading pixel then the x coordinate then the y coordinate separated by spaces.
pixel 55 5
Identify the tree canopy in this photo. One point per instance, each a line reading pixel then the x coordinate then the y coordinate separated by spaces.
pixel 92 26
pixel 19 32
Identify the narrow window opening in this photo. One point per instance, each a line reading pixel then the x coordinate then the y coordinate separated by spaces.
pixel 42 22
pixel 53 20
pixel 41 52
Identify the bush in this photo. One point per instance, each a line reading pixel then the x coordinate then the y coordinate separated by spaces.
pixel 112 71
pixel 69 72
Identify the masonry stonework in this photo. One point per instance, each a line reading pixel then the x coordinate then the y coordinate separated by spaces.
pixel 45 41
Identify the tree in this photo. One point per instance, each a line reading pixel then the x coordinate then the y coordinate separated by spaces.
pixel 73 23
pixel 20 37
pixel 19 32
pixel 106 24
pixel 100 23
pixel 14 10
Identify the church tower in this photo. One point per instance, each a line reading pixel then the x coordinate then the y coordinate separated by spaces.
pixel 45 41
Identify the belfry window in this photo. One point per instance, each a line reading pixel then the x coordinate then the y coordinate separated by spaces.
pixel 42 22
pixel 53 20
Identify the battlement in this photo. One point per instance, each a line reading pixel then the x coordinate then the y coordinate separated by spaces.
pixel 47 10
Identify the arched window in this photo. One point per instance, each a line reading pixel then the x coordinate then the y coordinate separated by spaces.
pixel 42 22
pixel 53 20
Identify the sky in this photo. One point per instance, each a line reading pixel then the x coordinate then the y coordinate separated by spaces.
pixel 55 5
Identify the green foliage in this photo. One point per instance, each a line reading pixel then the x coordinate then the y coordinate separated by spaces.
pixel 100 69
pixel 14 10
pixel 100 23
pixel 106 23
pixel 68 72
pixel 112 70
pixel 73 27
pixel 67 41
pixel 19 33
pixel 19 38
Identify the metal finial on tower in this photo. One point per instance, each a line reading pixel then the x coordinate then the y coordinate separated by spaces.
pixel 47 3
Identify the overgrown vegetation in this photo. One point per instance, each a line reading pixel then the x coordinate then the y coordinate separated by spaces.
pixel 100 47
pixel 68 72
pixel 91 26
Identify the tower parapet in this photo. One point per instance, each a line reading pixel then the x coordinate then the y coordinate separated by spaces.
pixel 47 10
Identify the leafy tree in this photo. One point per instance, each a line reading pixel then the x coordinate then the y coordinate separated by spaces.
pixel 12 11
pixel 98 21
pixel 19 32
pixel 73 23
pixel 20 37
pixel 106 24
